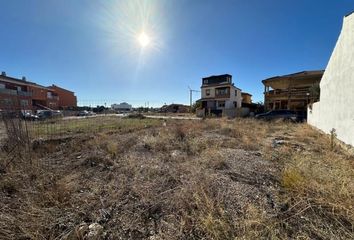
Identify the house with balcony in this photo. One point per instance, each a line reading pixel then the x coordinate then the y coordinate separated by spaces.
pixel 292 92
pixel 20 94
pixel 219 94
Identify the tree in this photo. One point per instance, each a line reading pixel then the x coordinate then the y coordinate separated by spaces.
pixel 195 106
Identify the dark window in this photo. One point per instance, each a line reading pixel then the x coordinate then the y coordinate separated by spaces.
pixel 221 104
pixel 207 92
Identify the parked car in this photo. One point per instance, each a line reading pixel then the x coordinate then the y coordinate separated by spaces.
pixel 46 114
pixel 285 115
pixel 86 113
pixel 57 113
pixel 29 116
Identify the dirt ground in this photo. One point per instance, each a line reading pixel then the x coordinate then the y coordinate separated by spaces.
pixel 179 179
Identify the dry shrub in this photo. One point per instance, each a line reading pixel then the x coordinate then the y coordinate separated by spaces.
pixel 292 179
pixel 211 124
pixel 59 192
pixel 179 137
pixel 249 133
pixel 255 224
pixel 212 158
pixel 180 132
pixel 212 217
pixel 112 149
pixel 319 186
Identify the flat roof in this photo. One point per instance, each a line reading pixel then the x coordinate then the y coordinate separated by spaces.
pixel 56 86
pixel 245 93
pixel 295 75
pixel 21 82
pixel 216 76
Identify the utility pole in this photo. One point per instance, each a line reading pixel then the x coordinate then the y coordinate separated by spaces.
pixel 191 97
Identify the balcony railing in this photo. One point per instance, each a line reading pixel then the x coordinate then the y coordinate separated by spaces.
pixel 288 93
pixel 53 97
pixel 15 92
pixel 25 94
pixel 227 95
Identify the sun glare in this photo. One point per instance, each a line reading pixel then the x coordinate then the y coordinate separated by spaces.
pixel 144 40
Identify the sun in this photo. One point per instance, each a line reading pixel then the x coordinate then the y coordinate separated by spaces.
pixel 144 39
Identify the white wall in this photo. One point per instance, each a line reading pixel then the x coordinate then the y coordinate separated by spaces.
pixel 212 92
pixel 236 97
pixel 121 106
pixel 229 103
pixel 336 106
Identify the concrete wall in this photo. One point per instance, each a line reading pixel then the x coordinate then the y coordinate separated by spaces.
pixel 336 106
pixel 200 113
pixel 239 112
pixel 236 97
pixel 212 92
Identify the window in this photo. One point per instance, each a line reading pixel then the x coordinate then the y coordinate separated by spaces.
pixel 222 91
pixel 235 92
pixel 7 102
pixel 207 92
pixel 24 103
pixel 2 85
pixel 221 104
pixel 205 81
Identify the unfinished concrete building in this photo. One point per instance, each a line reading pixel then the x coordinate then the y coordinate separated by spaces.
pixel 292 92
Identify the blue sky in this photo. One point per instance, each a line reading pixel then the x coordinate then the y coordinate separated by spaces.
pixel 90 47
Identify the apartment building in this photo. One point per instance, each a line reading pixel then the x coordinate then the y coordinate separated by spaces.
pixel 21 94
pixel 292 92
pixel 67 98
pixel 218 93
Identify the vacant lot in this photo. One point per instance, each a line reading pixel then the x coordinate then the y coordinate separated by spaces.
pixel 154 179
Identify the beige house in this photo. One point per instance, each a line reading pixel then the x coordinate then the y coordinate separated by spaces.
pixel 218 94
pixel 246 98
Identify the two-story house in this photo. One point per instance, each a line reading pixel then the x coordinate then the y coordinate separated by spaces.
pixel 218 93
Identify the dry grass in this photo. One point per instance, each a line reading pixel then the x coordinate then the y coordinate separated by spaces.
pixel 210 179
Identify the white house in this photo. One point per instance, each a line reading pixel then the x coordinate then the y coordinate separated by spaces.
pixel 218 93
pixel 335 110
pixel 121 107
